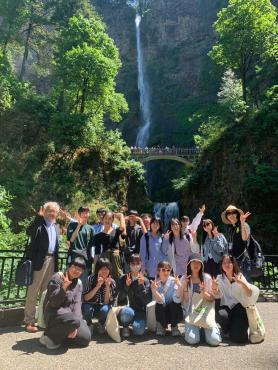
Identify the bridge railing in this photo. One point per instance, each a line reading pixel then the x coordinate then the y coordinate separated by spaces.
pixel 164 151
pixel 12 295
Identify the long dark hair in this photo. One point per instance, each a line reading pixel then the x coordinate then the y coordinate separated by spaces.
pixel 236 269
pixel 201 271
pixel 171 237
pixel 156 219
pixel 204 235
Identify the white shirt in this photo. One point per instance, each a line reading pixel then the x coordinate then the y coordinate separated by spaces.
pixel 226 289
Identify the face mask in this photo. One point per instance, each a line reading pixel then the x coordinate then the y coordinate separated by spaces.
pixel 135 268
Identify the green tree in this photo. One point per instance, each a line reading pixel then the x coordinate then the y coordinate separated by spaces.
pixel 86 66
pixel 247 31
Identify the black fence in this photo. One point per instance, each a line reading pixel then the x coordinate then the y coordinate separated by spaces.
pixel 12 295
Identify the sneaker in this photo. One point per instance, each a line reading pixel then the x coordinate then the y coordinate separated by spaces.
pixel 125 332
pixel 175 331
pixel 31 328
pixel 160 330
pixel 101 329
pixel 48 343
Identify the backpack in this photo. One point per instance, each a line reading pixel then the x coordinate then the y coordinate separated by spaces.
pixel 256 257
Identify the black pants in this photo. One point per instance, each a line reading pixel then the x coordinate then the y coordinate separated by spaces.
pixel 234 322
pixel 61 326
pixel 212 268
pixel 171 313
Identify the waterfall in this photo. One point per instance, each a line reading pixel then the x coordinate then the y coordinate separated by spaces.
pixel 144 131
pixel 166 211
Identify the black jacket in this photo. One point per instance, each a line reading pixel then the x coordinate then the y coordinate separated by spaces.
pixel 138 295
pixel 38 247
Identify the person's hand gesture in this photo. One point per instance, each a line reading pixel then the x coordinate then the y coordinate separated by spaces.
pixel 238 278
pixel 108 281
pixel 244 216
pixel 177 281
pixel 202 286
pixel 154 285
pixel 167 234
pixel 82 221
pixel 186 282
pixel 66 281
pixel 128 279
pixel 202 208
pixel 141 279
pixel 214 285
pixel 41 211
pixel 215 231
pixel 118 215
pixel 100 281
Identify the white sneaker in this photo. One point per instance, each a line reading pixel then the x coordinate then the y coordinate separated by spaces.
pixel 46 341
pixel 160 330
pixel 125 332
pixel 175 332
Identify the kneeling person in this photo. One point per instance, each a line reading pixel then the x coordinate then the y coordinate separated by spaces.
pixel 136 288
pixel 100 294
pixel 62 309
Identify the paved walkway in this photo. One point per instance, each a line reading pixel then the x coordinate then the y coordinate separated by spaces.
pixel 21 350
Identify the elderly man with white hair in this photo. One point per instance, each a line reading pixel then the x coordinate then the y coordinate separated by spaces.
pixel 43 252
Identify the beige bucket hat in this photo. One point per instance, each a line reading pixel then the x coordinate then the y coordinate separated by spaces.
pixel 229 209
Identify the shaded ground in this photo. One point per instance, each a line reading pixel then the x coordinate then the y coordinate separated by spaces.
pixel 21 350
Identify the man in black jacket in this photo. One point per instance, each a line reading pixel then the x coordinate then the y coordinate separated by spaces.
pixel 43 252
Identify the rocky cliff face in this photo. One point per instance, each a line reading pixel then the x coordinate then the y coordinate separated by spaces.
pixel 176 36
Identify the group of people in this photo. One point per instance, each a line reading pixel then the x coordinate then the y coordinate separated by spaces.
pixel 133 263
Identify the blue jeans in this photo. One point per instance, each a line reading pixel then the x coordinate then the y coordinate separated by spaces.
pixel 192 335
pixel 128 316
pixel 99 311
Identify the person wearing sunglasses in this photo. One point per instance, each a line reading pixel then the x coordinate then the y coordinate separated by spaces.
pixel 239 237
pixel 166 292
pixel 214 246
pixel 134 288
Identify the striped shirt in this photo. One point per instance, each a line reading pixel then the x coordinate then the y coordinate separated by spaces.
pixel 100 295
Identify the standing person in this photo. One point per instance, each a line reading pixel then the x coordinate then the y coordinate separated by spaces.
pixel 99 226
pixel 100 294
pixel 43 252
pixel 231 315
pixel 214 247
pixel 166 292
pixel 146 217
pixel 151 252
pixel 62 309
pixel 239 237
pixel 134 233
pixel 107 243
pixel 196 281
pixel 81 237
pixel 177 246
pixel 136 288
pixel 189 228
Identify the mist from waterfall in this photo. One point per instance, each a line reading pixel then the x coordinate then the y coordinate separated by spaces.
pixel 144 131
pixel 166 211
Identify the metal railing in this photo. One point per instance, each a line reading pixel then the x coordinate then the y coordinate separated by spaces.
pixel 13 295
pixel 135 151
pixel 10 293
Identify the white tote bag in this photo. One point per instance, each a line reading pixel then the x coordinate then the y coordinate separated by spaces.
pixel 151 318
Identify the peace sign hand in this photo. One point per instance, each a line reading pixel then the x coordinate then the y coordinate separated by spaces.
pixel 128 279
pixel 177 281
pixel 215 231
pixel 41 211
pixel 202 209
pixel 141 279
pixel 186 282
pixel 167 234
pixel 155 285
pixel 214 285
pixel 66 281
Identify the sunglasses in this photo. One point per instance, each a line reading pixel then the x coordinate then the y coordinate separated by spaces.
pixel 165 270
pixel 231 213
pixel 206 224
